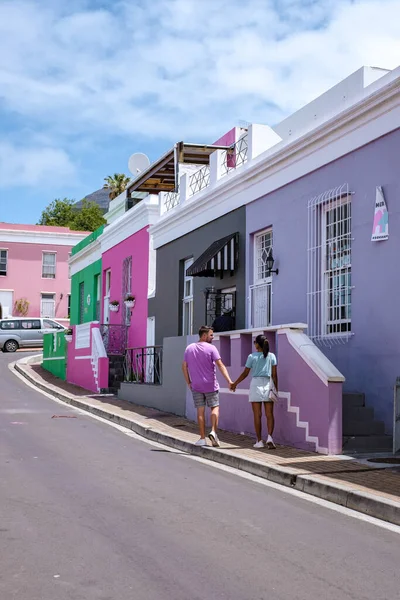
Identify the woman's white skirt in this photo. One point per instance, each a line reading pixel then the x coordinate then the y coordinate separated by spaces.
pixel 260 388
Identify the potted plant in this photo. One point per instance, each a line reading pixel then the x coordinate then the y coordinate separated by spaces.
pixel 130 301
pixel 68 334
pixel 114 306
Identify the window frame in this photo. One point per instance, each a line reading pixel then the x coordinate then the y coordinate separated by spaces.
pixel 48 253
pixel 6 262
pixel 187 299
pixel 257 236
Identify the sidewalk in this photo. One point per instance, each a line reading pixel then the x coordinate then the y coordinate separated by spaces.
pixel 344 481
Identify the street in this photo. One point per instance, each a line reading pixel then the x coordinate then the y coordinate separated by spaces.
pixel 89 513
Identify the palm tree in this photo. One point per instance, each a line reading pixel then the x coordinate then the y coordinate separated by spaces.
pixel 116 184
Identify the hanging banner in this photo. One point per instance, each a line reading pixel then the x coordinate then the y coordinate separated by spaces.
pixel 380 228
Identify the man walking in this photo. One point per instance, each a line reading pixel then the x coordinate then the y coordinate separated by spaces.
pixel 199 371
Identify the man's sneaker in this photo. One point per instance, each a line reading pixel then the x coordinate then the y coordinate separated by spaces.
pixel 214 439
pixel 201 442
pixel 259 444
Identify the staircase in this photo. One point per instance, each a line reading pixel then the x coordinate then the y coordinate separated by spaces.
pixel 116 372
pixel 361 432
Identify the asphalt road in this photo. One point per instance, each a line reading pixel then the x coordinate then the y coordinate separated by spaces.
pixel 88 513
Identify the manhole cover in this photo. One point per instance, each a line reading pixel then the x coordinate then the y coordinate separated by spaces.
pixel 387 461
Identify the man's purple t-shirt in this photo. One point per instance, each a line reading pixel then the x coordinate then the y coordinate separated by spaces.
pixel 200 358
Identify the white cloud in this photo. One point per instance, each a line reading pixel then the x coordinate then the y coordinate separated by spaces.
pixel 181 69
pixel 35 166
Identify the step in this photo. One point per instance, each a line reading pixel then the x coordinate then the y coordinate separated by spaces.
pixel 370 427
pixel 367 443
pixel 353 399
pixel 357 413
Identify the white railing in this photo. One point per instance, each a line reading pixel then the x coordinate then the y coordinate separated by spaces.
pixel 98 351
pixel 236 156
pixel 260 304
pixel 199 180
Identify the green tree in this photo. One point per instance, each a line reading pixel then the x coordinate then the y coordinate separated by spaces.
pixel 63 213
pixel 116 184
pixel 58 213
pixel 88 218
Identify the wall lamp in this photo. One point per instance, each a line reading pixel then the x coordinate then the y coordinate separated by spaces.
pixel 270 264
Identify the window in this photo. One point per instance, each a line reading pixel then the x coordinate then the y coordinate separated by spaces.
pixel 263 246
pixel 48 306
pixel 47 324
pixel 69 306
pixel 126 287
pixel 3 262
pixel 329 266
pixel 34 324
pixel 10 325
pixel 187 313
pixel 81 302
pixel 49 265
pixel 261 290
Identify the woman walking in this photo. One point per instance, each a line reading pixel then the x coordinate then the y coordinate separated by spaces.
pixel 263 387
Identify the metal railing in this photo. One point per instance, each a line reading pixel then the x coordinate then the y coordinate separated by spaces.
pixel 199 180
pixel 235 156
pixel 171 199
pixel 144 365
pixel 260 305
pixel 114 338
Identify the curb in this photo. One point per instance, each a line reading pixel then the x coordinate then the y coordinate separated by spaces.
pixel 354 499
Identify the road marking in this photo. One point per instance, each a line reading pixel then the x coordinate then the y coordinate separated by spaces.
pixel 253 478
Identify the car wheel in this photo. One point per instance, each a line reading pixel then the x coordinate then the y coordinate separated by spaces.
pixel 11 346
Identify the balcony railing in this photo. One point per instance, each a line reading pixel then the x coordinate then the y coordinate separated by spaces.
pixel 236 156
pixel 171 199
pixel 220 310
pixel 199 180
pixel 144 365
pixel 114 338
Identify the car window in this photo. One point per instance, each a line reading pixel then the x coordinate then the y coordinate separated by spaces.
pixel 34 324
pixel 47 324
pixel 10 325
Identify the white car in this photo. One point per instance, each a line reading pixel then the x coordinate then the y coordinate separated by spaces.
pixel 25 332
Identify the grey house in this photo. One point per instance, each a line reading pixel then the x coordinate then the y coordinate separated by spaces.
pixel 200 279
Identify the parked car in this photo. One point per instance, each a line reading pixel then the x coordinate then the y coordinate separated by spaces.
pixel 24 332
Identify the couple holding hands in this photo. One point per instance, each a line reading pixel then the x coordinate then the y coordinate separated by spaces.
pixel 199 370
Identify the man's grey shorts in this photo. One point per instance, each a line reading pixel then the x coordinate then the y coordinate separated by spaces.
pixel 211 399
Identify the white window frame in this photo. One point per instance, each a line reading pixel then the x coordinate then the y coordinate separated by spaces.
pixel 127 288
pixel 6 263
pixel 260 284
pixel 327 274
pixel 50 275
pixel 320 289
pixel 187 301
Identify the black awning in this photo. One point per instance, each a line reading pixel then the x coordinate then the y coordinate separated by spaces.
pixel 221 256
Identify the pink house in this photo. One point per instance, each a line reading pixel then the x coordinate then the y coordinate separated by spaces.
pixel 128 268
pixel 34 268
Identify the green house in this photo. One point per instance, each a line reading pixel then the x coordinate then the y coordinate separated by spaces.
pixel 85 266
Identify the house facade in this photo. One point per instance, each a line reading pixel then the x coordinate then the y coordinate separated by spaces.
pixel 34 272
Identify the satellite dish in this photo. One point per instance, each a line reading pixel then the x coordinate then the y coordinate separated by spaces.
pixel 137 163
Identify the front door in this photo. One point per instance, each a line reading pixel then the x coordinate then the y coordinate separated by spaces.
pixel 6 302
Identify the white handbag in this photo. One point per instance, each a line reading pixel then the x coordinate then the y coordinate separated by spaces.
pixel 272 394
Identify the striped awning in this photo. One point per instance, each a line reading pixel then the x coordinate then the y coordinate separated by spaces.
pixel 221 256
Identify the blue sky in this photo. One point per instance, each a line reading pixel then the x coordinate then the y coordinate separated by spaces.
pixel 85 83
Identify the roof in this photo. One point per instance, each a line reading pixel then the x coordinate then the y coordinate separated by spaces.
pixel 100 197
pixel 163 174
pixel 221 256
pixel 38 228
